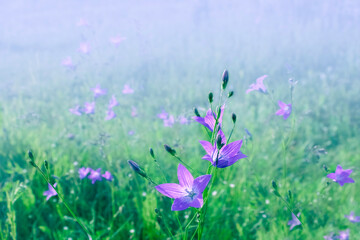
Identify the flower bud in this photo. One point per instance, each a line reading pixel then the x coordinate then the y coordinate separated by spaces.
pixel 230 94
pixel 219 142
pixel 274 185
pixel 137 168
pixel 46 164
pixel 196 112
pixel 211 97
pixel 170 150
pixel 31 156
pixel 233 117
pixel 152 153
pixel 225 79
pixel 290 195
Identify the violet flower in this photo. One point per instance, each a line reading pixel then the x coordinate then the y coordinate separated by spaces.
pixel 75 110
pixel 285 110
pixel 67 62
pixel 341 176
pixel 169 122
pixel 107 175
pixel 258 86
pixel 210 119
pixel 117 40
pixel 95 175
pixel 133 111
pixel 228 154
pixel 188 193
pixel 163 115
pixel 352 218
pixel 110 114
pixel 183 120
pixel 344 235
pixel 294 221
pixel 51 192
pixel 84 48
pixel 98 91
pixel 113 102
pixel 83 172
pixel 89 108
pixel 127 89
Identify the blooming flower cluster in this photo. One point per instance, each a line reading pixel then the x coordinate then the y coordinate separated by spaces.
pixel 94 175
pixel 169 120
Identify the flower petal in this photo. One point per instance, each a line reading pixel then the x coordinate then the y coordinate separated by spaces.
pixel 181 204
pixel 282 104
pixel 171 190
pixel 231 149
pixel 200 183
pixel 207 146
pixel 197 202
pixel 185 178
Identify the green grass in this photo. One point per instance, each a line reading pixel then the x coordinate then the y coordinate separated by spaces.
pixel 173 65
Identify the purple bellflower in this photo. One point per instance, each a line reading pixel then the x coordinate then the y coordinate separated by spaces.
pixel 95 175
pixel 344 235
pixel 110 114
pixel 75 110
pixel 117 40
pixel 51 192
pixel 98 91
pixel 89 108
pixel 127 89
pixel 113 102
pixel 84 48
pixel 228 154
pixel 352 218
pixel 285 110
pixel 210 119
pixel 341 176
pixel 67 62
pixel 163 115
pixel 83 172
pixel 258 86
pixel 188 193
pixel 294 221
pixel 169 122
pixel 107 175
pixel 183 120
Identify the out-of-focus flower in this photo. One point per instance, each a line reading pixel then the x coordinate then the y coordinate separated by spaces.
pixel 163 115
pixel 75 110
pixel 67 62
pixel 95 175
pixel 51 192
pixel 117 40
pixel 344 235
pixel 188 193
pixel 83 172
pixel 341 176
pixel 98 91
pixel 82 23
pixel 169 122
pixel 329 237
pixel 294 221
pixel 113 102
pixel 183 120
pixel 258 86
pixel 131 132
pixel 110 114
pixel 107 175
pixel 133 111
pixel 84 48
pixel 89 108
pixel 127 89
pixel 209 120
pixel 352 218
pixel 285 110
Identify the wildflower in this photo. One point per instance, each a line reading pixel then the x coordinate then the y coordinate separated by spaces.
pixel 117 40
pixel 130 133
pixel 84 48
pixel 183 120
pixel 75 110
pixel 258 86
pixel 110 114
pixel 113 102
pixel 163 115
pixel 83 172
pixel 352 218
pixel 98 91
pixel 107 175
pixel 329 237
pixel 285 110
pixel 95 175
pixel 89 108
pixel 51 192
pixel 226 156
pixel 344 235
pixel 127 89
pixel 67 62
pixel 341 176
pixel 188 193
pixel 294 221
pixel 169 122
pixel 133 111
pixel 137 168
pixel 210 119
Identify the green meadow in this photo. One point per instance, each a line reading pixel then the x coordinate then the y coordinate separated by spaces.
pixel 173 55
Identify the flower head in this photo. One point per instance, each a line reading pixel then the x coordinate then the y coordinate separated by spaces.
pixel 110 114
pixel 163 115
pixel 67 62
pixel 98 91
pixel 133 111
pixel 83 172
pixel 169 122
pixel 127 89
pixel 285 110
pixel 95 175
pixel 89 108
pixel 75 110
pixel 258 86
pixel 107 175
pixel 210 119
pixel 341 176
pixel 117 40
pixel 113 102
pixel 344 235
pixel 84 48
pixel 294 221
pixel 183 120
pixel 226 156
pixel 352 218
pixel 188 193
pixel 51 192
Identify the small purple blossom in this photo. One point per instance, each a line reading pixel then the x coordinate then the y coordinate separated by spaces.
pixel 67 62
pixel 285 110
pixel 107 175
pixel 329 237
pixel 163 115
pixel 84 48
pixel 228 154
pixel 183 120
pixel 83 172
pixel 117 40
pixel 98 91
pixel 127 89
pixel 210 119
pixel 110 114
pixel 51 192
pixel 113 102
pixel 341 176
pixel 258 86
pixel 344 235
pixel 89 108
pixel 352 218
pixel 294 221
pixel 131 132
pixel 134 111
pixel 188 193
pixel 75 110
pixel 95 175
pixel 169 122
